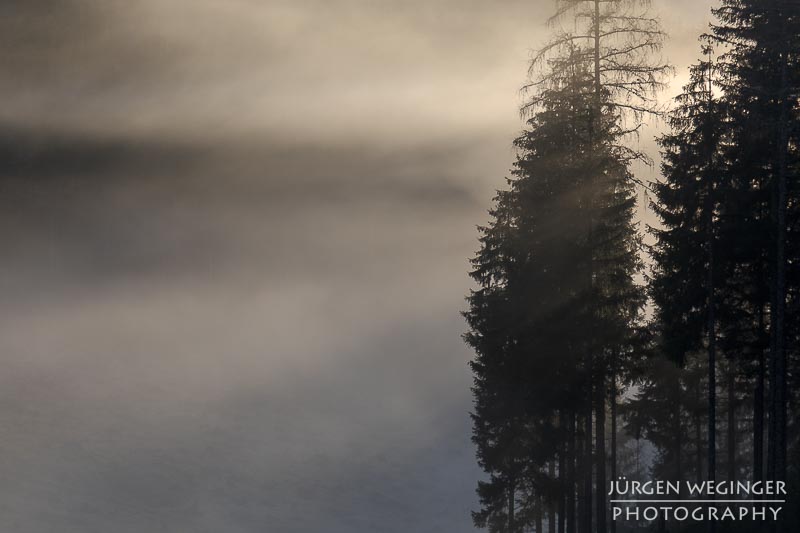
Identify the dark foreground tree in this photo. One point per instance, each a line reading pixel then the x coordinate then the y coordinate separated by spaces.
pixel 762 83
pixel 729 209
pixel 685 282
pixel 554 318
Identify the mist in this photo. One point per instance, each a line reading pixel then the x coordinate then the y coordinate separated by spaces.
pixel 236 243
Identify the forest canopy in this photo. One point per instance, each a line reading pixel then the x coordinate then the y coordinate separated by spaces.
pixel 578 362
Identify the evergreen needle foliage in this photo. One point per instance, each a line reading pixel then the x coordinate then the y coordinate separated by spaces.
pixel 556 319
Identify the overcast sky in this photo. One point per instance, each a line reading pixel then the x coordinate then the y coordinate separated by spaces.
pixel 236 238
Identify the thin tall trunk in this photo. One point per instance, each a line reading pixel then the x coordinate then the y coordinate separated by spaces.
pixel 587 480
pixel 571 481
pixel 678 428
pixel 551 504
pixel 562 478
pixel 580 467
pixel 778 356
pixel 511 506
pixel 613 438
pixel 712 366
pixel 600 452
pixel 538 513
pixel 712 324
pixel 598 84
pixel 731 422
pixel 598 89
pixel 698 435
pixel 758 405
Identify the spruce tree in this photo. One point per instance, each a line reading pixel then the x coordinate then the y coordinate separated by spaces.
pixel 620 42
pixel 684 285
pixel 520 316
pixel 555 318
pixel 762 83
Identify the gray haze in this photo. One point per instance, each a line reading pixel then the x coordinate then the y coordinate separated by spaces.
pixel 235 239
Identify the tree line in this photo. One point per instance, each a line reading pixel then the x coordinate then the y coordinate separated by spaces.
pixel 598 355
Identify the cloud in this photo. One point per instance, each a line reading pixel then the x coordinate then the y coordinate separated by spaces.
pixel 305 69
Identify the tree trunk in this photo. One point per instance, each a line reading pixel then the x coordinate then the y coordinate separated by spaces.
pixel 731 422
pixel 678 428
pixel 712 385
pixel 511 506
pixel 562 477
pixel 587 480
pixel 598 86
pixel 598 83
pixel 600 453
pixel 698 435
pixel 580 467
pixel 551 504
pixel 613 438
pixel 538 513
pixel 712 340
pixel 777 461
pixel 571 481
pixel 758 406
